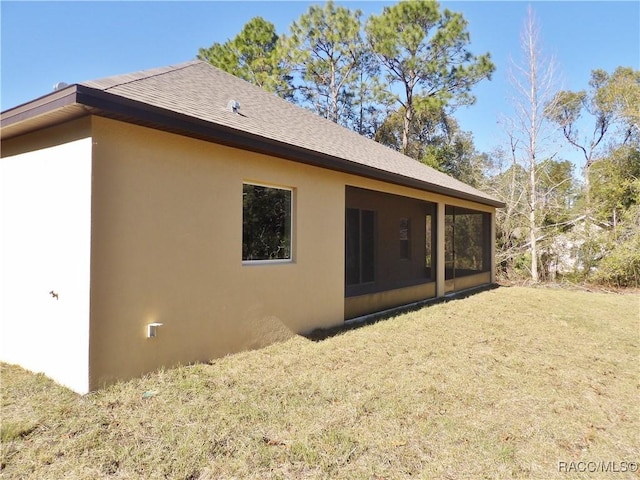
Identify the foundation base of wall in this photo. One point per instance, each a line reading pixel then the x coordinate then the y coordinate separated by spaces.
pixel 375 302
pixel 466 282
pixel 372 317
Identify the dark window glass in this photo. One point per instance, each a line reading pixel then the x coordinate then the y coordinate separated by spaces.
pixel 467 242
pixel 428 244
pixel 449 244
pixel 353 246
pixel 360 246
pixel 266 223
pixel 368 246
pixel 405 235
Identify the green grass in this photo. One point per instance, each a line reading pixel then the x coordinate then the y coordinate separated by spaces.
pixel 503 384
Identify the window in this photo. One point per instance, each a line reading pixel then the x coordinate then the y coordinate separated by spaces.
pixel 429 247
pixel 405 232
pixel 360 246
pixel 467 242
pixel 266 223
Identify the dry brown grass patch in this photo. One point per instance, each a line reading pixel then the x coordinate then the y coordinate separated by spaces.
pixel 503 384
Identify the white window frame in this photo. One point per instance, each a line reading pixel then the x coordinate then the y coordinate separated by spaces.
pixel 291 226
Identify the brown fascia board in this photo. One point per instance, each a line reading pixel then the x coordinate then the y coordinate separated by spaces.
pixel 40 106
pixel 116 107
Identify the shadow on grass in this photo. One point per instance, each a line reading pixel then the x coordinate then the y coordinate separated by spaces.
pixel 319 335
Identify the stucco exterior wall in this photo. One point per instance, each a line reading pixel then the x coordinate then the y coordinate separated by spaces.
pixel 45 227
pixel 132 226
pixel 167 248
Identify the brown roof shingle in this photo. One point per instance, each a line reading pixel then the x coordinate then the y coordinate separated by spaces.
pixel 197 90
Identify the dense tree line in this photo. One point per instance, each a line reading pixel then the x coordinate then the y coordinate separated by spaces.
pixel 398 78
pixel 558 222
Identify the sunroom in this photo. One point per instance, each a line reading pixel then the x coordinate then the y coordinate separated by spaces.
pixel 396 251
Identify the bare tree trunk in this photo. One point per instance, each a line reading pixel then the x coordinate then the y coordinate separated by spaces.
pixel 333 108
pixel 531 35
pixel 532 81
pixel 533 230
pixel 407 118
pixel 406 123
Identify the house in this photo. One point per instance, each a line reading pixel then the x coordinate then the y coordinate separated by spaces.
pixel 562 256
pixel 179 214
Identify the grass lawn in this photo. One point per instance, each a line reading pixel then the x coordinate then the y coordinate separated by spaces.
pixel 508 383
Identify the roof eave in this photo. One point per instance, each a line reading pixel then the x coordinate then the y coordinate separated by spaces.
pixel 105 104
pixel 114 106
pixel 40 106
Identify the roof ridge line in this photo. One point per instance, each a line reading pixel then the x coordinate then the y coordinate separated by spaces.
pixel 164 71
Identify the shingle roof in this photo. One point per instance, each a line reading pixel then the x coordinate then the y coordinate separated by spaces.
pixel 198 90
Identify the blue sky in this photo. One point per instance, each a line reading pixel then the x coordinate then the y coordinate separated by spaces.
pixel 47 42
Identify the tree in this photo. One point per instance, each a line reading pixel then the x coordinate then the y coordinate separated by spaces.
pixel 620 94
pixel 621 264
pixel 425 51
pixel 565 110
pixel 506 180
pixel 532 81
pixel 456 155
pixel 612 99
pixel 611 163
pixel 366 107
pixel 253 55
pixel 430 127
pixel 539 191
pixel 326 49
pixel 615 183
pixel 556 192
pixel 436 139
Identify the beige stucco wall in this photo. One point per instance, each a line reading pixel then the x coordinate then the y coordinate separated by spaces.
pixel 167 247
pixel 45 226
pixel 150 230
